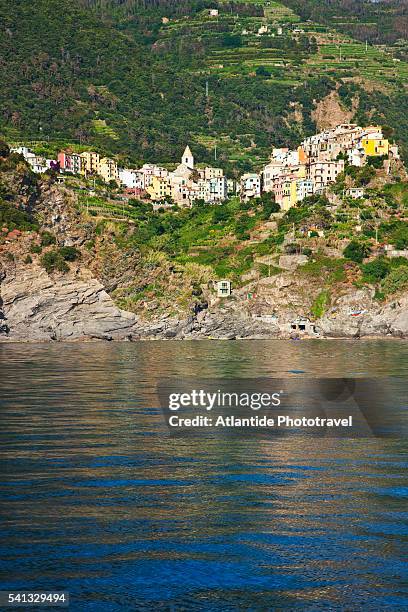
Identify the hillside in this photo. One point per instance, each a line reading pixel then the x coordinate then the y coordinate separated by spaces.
pixel 383 22
pixel 71 269
pixel 139 79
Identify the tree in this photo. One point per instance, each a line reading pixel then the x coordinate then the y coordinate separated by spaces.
pixel 376 270
pixel 262 71
pixel 356 251
pixel 4 149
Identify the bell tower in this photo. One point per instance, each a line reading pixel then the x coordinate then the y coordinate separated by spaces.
pixel 188 159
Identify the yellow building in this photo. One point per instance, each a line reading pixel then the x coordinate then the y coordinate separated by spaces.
pixel 375 146
pixel 289 198
pixel 90 162
pixel 302 156
pixel 108 170
pixel 301 172
pixel 160 188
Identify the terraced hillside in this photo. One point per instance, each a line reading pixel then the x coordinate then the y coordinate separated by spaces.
pixel 142 79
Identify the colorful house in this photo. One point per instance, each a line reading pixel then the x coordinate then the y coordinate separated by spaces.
pixel 108 170
pixel 375 145
pixel 90 162
pixel 160 188
pixel 70 162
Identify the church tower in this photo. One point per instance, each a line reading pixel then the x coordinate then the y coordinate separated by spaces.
pixel 188 159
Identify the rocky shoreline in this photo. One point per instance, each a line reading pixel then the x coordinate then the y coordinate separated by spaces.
pixel 77 305
pixel 74 307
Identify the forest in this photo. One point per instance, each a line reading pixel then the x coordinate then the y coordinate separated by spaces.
pixel 109 74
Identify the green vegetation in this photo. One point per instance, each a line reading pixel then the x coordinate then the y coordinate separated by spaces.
pixel 356 251
pixel 47 239
pixel 377 22
pixel 13 218
pixel 140 79
pixel 323 267
pixel 396 281
pixel 55 260
pixel 320 304
pixel 69 253
pixel 374 271
pixel 395 232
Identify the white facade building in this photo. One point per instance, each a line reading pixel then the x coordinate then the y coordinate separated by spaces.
pixel 132 179
pixel 250 186
pixel 218 189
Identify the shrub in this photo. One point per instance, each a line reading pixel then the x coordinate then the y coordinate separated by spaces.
pixel 375 270
pixel 262 71
pixel 220 214
pixel 69 253
pixel 231 40
pixel 36 249
pixel 57 258
pixel 292 248
pixel 396 280
pixel 28 259
pixel 401 243
pixel 47 239
pixel 319 305
pixel 377 161
pixel 52 261
pixel 4 149
pixel 13 218
pixel 356 251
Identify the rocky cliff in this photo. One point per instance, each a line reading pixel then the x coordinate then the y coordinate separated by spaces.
pixel 73 306
pixel 38 307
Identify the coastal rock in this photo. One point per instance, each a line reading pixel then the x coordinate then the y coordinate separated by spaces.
pixel 230 325
pixel 38 307
pixel 395 316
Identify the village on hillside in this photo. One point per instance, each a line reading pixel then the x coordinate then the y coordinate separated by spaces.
pixel 290 175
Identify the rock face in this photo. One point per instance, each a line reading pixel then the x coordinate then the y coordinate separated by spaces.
pixel 357 315
pixel 329 112
pixel 36 307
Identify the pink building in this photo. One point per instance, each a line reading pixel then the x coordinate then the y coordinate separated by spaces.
pixel 70 162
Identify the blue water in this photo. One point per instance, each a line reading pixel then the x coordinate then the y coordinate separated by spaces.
pixel 99 501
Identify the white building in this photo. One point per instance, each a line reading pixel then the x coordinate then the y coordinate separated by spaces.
pixel 223 288
pixel 132 179
pixel 323 173
pixel 304 189
pixel 355 192
pixel 327 145
pixel 37 163
pixel 356 156
pixel 210 172
pixel 218 189
pixel 188 158
pixel 150 170
pixel 250 186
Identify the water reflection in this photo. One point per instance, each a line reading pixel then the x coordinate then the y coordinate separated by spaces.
pixel 98 500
